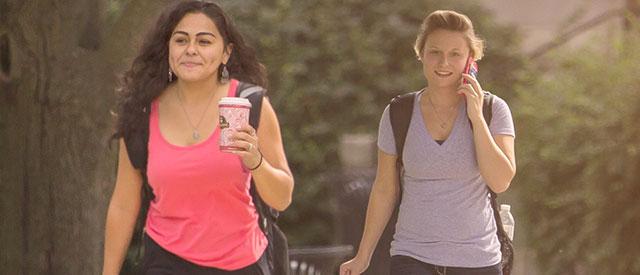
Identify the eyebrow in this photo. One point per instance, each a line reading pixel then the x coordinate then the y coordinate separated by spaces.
pixel 436 48
pixel 197 34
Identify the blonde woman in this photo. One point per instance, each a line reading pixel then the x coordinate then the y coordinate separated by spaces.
pixel 452 161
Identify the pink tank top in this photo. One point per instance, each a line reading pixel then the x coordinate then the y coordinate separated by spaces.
pixel 202 210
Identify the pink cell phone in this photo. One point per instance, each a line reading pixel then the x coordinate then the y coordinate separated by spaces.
pixel 471 68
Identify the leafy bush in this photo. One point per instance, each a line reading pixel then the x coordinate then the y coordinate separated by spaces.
pixel 579 153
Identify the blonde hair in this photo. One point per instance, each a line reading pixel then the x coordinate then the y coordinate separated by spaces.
pixel 451 21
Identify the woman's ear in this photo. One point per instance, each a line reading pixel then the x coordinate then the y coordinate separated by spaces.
pixel 227 52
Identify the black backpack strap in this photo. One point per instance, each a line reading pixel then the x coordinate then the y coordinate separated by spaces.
pixel 137 148
pixel 136 144
pixel 136 141
pixel 487 107
pixel 506 244
pixel 400 111
pixel 277 251
pixel 254 94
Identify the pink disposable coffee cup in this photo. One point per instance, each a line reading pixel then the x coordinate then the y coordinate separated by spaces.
pixel 234 114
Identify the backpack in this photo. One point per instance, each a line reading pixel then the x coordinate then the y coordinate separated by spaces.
pixel 400 111
pixel 136 143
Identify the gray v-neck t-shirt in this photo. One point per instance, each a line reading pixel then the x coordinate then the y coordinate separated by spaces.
pixel 445 215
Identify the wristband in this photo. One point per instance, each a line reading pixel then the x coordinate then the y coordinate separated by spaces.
pixel 259 163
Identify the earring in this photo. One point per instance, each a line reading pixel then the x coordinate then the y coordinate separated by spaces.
pixel 170 75
pixel 224 75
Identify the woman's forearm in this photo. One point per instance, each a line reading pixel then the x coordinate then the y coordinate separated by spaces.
pixel 382 202
pixel 274 185
pixel 118 232
pixel 495 166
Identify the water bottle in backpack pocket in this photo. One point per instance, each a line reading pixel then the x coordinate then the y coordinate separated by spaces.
pixel 508 223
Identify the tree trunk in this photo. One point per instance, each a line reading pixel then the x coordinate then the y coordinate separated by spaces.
pixel 57 170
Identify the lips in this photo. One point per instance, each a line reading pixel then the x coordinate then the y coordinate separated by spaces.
pixel 190 64
pixel 443 73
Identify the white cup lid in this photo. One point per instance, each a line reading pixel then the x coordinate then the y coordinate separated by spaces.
pixel 505 207
pixel 234 101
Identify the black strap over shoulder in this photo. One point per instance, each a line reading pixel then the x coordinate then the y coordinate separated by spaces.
pixel 400 111
pixel 506 245
pixel 136 141
pixel 277 251
pixel 487 107
pixel 254 94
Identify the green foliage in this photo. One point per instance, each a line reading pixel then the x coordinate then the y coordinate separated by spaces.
pixel 113 10
pixel 333 66
pixel 579 160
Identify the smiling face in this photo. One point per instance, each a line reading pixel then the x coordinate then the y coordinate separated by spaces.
pixel 444 57
pixel 196 49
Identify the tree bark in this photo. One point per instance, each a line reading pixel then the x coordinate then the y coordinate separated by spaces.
pixel 57 169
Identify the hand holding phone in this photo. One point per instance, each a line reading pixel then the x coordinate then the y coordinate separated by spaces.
pixel 471 69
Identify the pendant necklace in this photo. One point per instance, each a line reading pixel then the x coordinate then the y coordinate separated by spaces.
pixel 443 123
pixel 196 133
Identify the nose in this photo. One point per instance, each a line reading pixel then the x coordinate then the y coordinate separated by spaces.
pixel 443 60
pixel 191 48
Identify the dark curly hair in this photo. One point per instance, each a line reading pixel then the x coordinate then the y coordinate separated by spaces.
pixel 148 75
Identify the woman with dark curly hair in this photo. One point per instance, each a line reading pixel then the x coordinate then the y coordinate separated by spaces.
pixel 202 219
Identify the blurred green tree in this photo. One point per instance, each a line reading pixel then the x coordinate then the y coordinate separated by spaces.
pixel 579 160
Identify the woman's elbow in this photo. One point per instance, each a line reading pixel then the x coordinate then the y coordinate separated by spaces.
pixel 500 186
pixel 285 202
pixel 283 205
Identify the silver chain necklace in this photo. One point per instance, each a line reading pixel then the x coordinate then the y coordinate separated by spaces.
pixel 443 123
pixel 196 132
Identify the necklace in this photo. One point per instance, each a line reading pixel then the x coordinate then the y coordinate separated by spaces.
pixel 196 132
pixel 443 123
